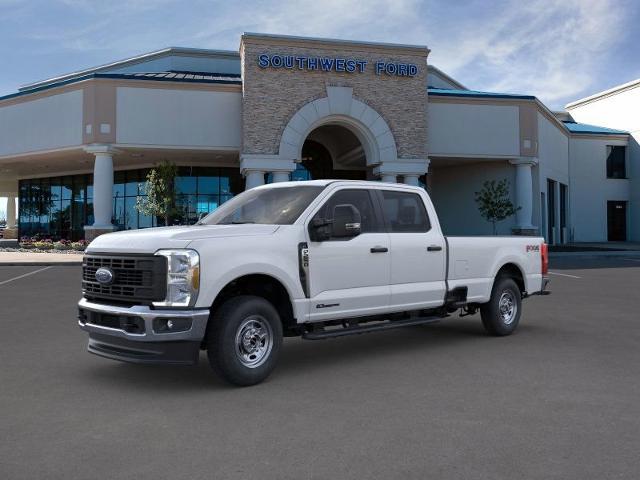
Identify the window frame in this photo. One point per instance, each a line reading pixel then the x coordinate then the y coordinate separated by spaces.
pixel 625 172
pixel 375 208
pixel 387 221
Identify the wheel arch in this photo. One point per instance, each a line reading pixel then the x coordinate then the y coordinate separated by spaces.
pixel 514 271
pixel 261 285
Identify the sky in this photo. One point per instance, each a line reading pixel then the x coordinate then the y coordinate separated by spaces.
pixel 558 50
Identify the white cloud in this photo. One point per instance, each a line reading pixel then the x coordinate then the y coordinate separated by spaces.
pixel 548 48
pixel 554 49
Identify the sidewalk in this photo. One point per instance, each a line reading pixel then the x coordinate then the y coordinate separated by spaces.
pixel 608 245
pixel 596 253
pixel 38 259
pixel 608 249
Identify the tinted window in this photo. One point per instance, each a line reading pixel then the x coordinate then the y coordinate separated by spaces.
pixel 272 206
pixel 361 199
pixel 405 212
pixel 616 167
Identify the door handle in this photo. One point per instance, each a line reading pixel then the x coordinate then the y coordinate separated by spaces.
pixel 379 250
pixel 434 248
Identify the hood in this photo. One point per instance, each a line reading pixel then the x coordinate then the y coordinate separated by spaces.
pixel 148 240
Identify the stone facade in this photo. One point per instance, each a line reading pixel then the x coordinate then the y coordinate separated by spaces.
pixel 272 96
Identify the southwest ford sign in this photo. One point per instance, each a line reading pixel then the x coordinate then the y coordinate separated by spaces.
pixel 331 64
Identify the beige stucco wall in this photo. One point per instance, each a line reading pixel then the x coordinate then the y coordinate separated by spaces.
pixel 458 129
pixel 620 110
pixel 272 96
pixel 50 122
pixel 178 117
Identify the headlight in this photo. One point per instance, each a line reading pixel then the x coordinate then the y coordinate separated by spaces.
pixel 183 278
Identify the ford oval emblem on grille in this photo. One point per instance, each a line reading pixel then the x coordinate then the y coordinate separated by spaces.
pixel 104 275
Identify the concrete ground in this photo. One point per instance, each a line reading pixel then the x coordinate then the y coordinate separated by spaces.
pixel 557 400
pixel 36 258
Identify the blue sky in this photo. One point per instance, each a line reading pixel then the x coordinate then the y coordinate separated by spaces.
pixel 558 50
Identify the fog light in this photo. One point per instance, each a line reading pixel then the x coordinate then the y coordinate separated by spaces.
pixel 171 325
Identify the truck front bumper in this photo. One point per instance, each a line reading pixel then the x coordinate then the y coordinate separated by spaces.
pixel 140 334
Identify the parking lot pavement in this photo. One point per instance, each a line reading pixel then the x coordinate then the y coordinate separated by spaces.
pixel 559 399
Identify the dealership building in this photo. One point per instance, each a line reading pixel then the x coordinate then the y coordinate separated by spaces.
pixel 75 149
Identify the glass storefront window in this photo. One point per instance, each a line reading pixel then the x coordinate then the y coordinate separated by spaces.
pixel 185 185
pixel 60 207
pixel 118 184
pixel 131 214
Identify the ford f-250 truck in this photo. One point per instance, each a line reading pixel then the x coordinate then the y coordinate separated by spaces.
pixel 315 259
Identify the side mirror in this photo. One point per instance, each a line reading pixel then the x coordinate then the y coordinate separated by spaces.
pixel 320 229
pixel 346 221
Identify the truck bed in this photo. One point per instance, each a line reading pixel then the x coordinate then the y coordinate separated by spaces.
pixel 474 262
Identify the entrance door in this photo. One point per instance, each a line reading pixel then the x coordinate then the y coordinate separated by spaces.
pixel 551 211
pixel 349 277
pixel 617 221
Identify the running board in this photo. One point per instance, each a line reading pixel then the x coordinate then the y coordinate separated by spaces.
pixel 388 325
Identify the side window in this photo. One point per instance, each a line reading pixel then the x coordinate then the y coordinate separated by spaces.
pixel 616 161
pixel 361 199
pixel 405 212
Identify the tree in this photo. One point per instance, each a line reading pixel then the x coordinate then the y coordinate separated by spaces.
pixel 493 202
pixel 160 199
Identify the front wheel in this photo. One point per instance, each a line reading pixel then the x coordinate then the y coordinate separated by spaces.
pixel 500 316
pixel 244 340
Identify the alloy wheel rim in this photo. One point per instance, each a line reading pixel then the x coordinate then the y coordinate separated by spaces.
pixel 254 341
pixel 507 307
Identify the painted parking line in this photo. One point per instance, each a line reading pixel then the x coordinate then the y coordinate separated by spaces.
pixel 25 275
pixel 564 275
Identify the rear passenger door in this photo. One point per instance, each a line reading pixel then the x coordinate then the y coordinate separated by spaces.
pixel 417 252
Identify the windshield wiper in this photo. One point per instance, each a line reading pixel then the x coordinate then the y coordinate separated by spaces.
pixel 239 222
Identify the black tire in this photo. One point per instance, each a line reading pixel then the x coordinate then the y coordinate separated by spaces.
pixel 502 322
pixel 229 356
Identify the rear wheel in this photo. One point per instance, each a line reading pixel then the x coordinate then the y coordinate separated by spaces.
pixel 501 315
pixel 244 340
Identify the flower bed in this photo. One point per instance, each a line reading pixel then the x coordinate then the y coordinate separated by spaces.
pixel 47 245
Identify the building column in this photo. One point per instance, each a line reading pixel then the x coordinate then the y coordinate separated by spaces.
pixel 280 176
pixel 102 191
pixel 11 232
pixel 412 179
pixel 253 178
pixel 253 167
pixel 11 212
pixel 389 178
pixel 410 169
pixel 524 196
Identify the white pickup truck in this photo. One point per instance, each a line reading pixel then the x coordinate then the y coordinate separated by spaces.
pixel 315 259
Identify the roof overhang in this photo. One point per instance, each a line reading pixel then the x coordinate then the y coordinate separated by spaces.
pixel 605 93
pixel 145 57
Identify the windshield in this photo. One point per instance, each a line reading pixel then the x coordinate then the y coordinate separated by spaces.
pixel 271 206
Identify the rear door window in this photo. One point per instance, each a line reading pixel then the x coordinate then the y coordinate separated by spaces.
pixel 405 212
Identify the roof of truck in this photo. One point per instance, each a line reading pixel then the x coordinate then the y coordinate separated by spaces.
pixel 324 183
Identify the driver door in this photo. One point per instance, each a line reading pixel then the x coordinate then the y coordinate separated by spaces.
pixel 349 276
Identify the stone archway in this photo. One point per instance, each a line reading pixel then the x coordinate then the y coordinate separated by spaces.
pixel 340 108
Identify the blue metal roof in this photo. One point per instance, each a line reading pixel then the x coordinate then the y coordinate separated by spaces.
pixel 184 76
pixel 444 92
pixel 173 76
pixel 575 127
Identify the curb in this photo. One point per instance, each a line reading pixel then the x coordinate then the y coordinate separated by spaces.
pixel 615 253
pixel 41 264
